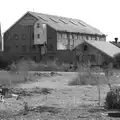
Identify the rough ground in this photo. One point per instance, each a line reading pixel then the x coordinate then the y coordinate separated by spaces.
pixel 63 102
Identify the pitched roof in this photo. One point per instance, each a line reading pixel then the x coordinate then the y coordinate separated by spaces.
pixel 63 24
pixel 116 44
pixel 105 47
pixel 66 24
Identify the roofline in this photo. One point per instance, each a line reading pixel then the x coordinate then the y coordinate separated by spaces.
pixel 28 12
pixel 100 50
pixel 113 57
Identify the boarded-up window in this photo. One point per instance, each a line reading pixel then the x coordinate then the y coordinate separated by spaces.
pixel 93 58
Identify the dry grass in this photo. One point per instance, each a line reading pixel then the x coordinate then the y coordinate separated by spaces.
pixel 42 102
pixel 71 102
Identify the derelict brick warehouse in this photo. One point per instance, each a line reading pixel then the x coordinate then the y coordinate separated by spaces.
pixel 47 37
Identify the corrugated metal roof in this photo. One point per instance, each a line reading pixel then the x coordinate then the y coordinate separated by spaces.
pixel 116 44
pixel 103 46
pixel 106 47
pixel 66 24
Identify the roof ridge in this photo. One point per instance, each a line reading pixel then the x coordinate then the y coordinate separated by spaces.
pixel 67 18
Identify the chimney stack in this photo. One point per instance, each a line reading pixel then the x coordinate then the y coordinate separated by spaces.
pixel 116 40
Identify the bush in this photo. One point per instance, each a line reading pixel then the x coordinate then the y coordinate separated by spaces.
pixel 85 76
pixel 112 100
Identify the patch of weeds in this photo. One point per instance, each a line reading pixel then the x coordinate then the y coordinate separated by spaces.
pixel 85 76
pixel 41 109
pixel 44 91
pixel 21 92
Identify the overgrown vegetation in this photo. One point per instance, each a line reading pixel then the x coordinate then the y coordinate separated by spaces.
pixel 112 100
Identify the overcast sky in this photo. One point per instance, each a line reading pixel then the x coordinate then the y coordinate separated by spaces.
pixel 102 14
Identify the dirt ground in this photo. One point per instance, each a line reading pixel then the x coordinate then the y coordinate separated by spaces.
pixel 62 103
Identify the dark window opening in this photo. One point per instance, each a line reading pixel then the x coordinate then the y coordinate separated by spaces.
pixel 21 57
pixel 93 58
pixel 38 25
pixel 16 37
pixel 38 36
pixel 85 48
pixel 33 47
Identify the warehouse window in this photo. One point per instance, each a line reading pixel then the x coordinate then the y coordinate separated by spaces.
pixel 63 21
pixel 16 37
pixel 82 24
pixel 21 57
pixel 93 58
pixel 95 37
pixel 85 48
pixel 38 36
pixel 33 47
pixel 38 25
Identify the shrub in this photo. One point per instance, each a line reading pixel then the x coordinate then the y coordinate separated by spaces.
pixel 112 100
pixel 84 76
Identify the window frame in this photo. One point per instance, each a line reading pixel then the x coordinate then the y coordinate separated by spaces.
pixel 38 36
pixel 38 25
